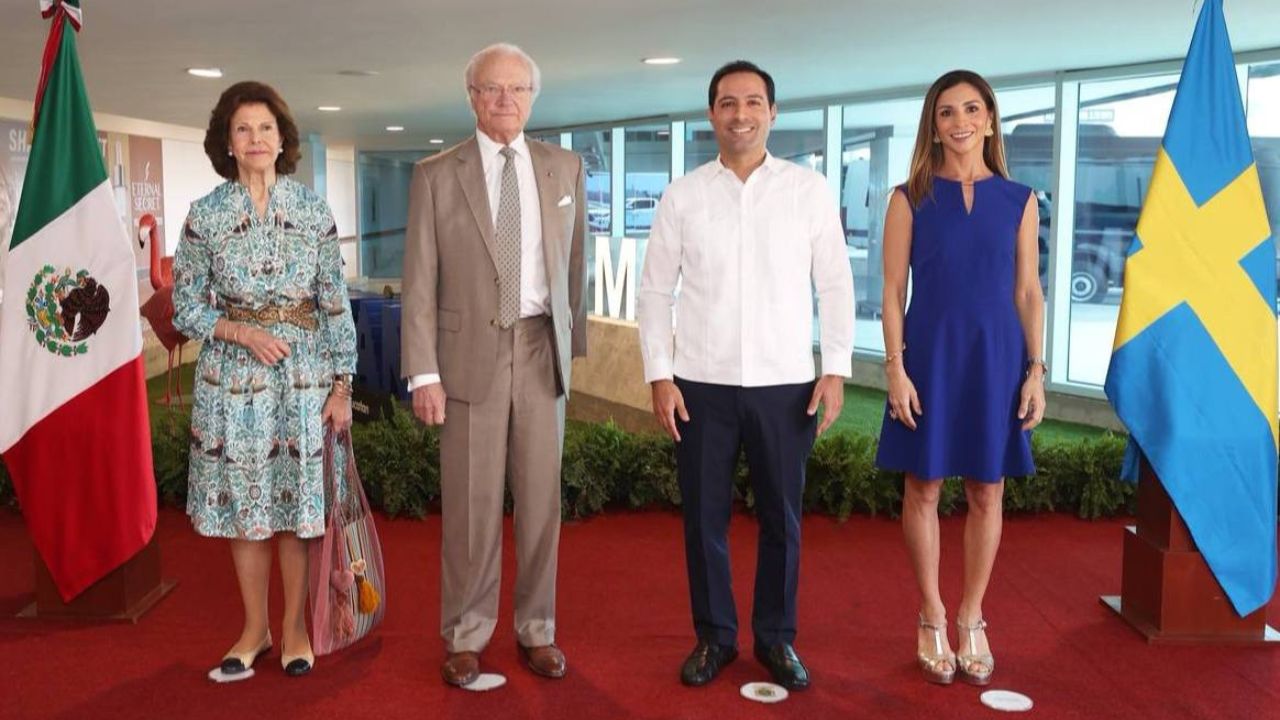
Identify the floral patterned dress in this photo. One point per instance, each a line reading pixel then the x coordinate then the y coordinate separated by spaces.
pixel 256 436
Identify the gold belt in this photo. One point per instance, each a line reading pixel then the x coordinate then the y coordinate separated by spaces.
pixel 301 314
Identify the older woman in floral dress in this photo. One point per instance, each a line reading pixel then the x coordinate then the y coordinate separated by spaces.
pixel 258 278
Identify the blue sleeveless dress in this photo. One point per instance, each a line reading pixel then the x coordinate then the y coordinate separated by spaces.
pixel 966 352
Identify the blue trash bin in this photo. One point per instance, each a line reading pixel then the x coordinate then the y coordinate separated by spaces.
pixel 369 344
pixel 391 349
pixel 357 298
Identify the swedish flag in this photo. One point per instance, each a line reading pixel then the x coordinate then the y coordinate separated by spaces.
pixel 1193 369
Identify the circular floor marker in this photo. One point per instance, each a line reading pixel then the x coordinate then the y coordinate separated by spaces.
pixel 764 692
pixel 218 676
pixel 486 681
pixel 1006 700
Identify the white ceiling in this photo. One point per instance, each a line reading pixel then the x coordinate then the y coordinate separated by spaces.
pixel 134 51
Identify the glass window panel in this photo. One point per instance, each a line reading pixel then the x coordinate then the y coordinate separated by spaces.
pixel 699 144
pixel 1264 129
pixel 876 156
pixel 799 137
pixel 1121 124
pixel 1027 120
pixel 1263 103
pixel 596 149
pixel 384 209
pixel 648 170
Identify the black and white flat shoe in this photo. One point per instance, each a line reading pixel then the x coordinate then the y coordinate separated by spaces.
pixel 298 665
pixel 239 666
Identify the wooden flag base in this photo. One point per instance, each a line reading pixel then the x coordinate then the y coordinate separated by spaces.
pixel 125 594
pixel 1167 592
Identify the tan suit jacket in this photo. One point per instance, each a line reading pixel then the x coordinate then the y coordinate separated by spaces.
pixel 450 283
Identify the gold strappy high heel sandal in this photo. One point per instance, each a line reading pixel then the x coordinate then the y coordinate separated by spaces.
pixel 940 667
pixel 975 668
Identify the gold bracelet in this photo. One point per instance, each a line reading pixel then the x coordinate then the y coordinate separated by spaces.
pixel 341 386
pixel 888 359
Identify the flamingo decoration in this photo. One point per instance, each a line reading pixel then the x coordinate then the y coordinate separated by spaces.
pixel 158 309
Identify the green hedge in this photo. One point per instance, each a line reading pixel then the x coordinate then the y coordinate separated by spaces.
pixel 607 467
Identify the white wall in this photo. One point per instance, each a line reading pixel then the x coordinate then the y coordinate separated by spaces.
pixel 340 168
pixel 340 171
pixel 188 176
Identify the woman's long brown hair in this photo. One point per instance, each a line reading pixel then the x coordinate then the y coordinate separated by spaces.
pixel 926 158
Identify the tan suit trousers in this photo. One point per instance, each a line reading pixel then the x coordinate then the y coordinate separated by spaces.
pixel 515 433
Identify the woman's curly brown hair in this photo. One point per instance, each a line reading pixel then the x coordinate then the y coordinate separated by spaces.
pixel 217 136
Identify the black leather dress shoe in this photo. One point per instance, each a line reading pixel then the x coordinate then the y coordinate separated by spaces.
pixel 705 663
pixel 784 665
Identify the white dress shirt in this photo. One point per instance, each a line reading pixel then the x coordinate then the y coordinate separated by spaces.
pixel 535 293
pixel 748 257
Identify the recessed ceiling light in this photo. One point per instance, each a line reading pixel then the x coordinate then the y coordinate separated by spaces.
pixel 329 108
pixel 436 141
pixel 205 72
pixel 359 73
pixel 661 60
pixel 395 128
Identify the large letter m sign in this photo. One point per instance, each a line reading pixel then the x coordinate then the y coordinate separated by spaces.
pixel 616 286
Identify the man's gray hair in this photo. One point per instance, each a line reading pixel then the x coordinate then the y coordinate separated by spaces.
pixel 502 49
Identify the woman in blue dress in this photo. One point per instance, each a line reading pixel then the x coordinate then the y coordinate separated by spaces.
pixel 258 278
pixel 963 365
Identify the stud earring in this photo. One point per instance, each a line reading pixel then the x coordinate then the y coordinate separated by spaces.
pixel 230 154
pixel 990 132
pixel 937 140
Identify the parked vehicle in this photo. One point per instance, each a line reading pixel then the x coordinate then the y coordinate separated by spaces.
pixel 639 212
pixel 597 216
pixel 1103 236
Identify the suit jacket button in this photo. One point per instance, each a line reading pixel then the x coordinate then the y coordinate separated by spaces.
pixel 496 281
pixel 494 322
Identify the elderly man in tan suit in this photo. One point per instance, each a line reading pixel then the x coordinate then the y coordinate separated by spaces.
pixel 493 314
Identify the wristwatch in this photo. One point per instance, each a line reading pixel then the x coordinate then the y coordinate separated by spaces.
pixel 1032 362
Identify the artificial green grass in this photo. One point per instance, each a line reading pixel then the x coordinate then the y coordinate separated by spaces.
pixel 864 410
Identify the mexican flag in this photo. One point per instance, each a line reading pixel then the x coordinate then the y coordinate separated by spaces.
pixel 74 430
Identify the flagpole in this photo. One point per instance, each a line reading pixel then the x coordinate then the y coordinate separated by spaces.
pixel 91 513
pixel 58 10
pixel 1167 591
pixel 1193 372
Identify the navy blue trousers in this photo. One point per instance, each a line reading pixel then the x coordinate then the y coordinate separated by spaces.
pixel 772 425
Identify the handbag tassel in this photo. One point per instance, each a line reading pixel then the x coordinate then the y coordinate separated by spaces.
pixel 369 597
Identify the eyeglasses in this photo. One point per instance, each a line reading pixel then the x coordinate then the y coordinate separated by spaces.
pixel 491 91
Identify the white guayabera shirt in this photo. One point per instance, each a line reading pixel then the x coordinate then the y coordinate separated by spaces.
pixel 749 257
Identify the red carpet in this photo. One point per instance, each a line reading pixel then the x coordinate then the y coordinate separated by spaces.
pixel 625 627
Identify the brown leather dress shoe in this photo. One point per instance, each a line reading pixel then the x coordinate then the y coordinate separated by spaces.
pixel 461 668
pixel 544 660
